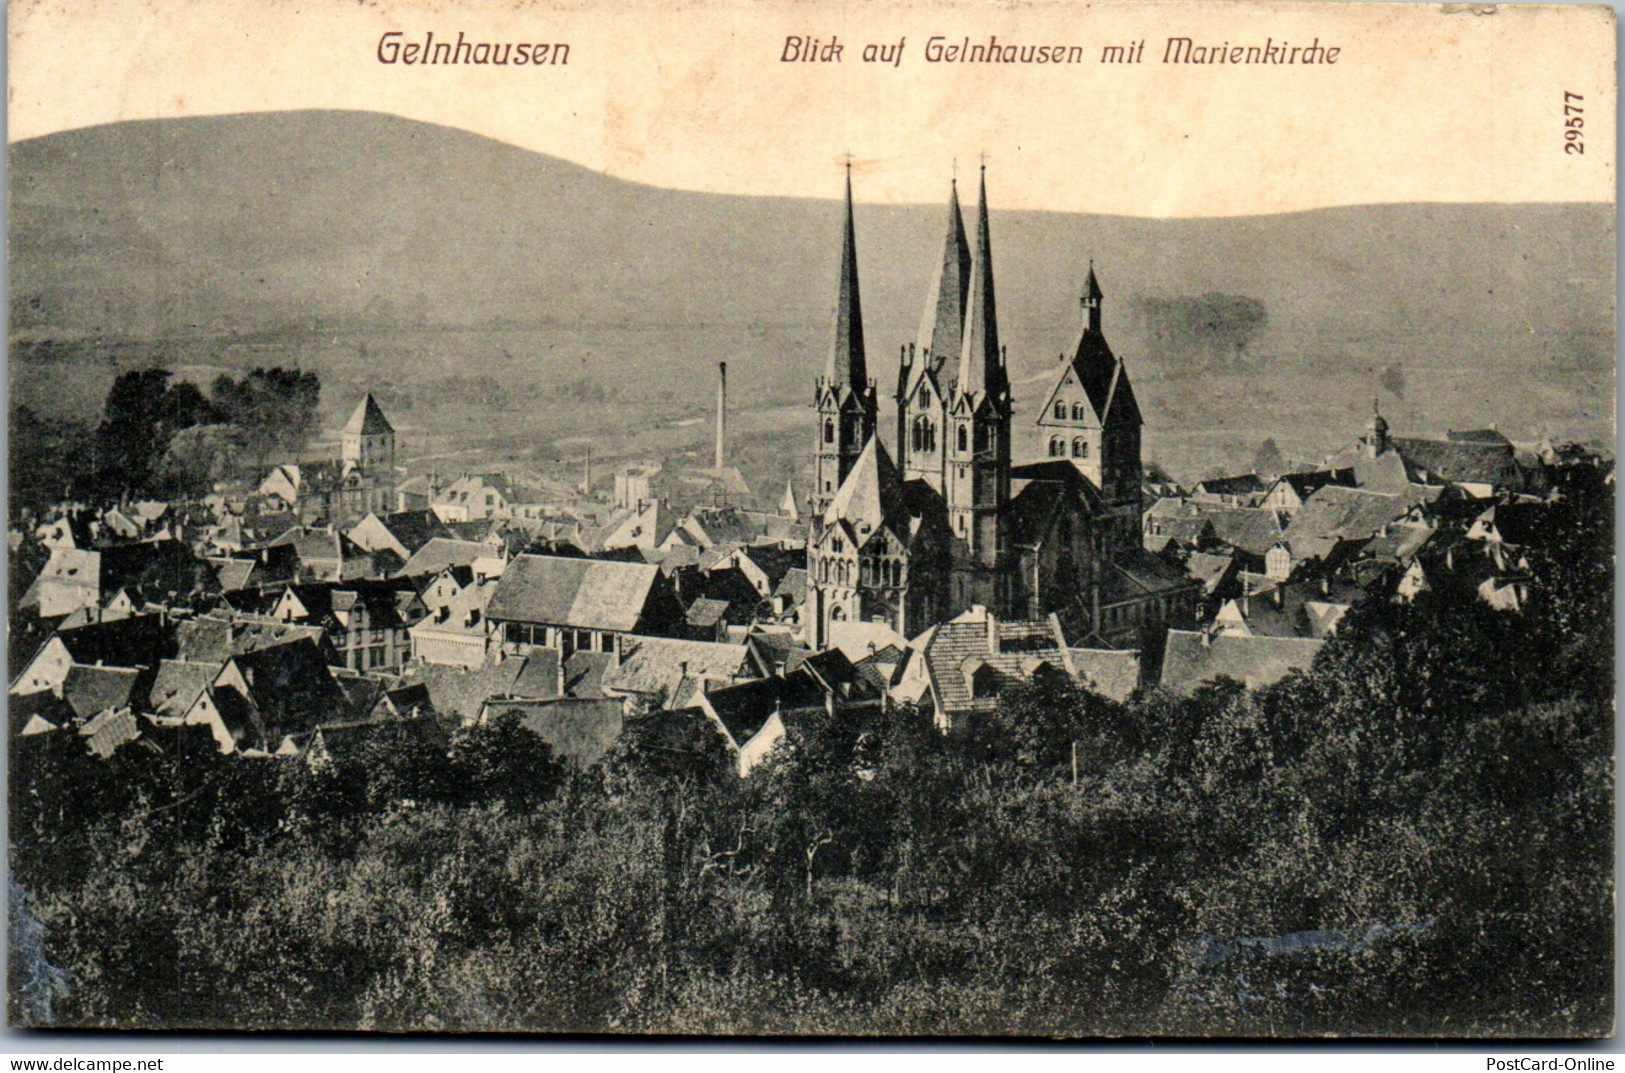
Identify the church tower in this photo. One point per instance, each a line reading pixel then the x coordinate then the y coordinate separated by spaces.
pixel 1091 418
pixel 929 368
pixel 977 445
pixel 845 396
pixel 368 440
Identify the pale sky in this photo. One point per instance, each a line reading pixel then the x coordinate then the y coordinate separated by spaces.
pixel 1424 103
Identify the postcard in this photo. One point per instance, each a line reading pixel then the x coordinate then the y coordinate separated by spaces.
pixel 795 518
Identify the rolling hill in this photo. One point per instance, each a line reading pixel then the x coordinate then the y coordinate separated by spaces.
pixel 379 249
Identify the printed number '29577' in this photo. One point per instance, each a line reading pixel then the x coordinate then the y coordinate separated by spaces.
pixel 1573 124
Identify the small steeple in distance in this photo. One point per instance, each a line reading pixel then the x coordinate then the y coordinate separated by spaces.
pixel 1091 302
pixel 368 439
pixel 845 396
pixel 1376 431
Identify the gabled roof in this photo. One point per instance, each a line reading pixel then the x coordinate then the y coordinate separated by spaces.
pixel 973 642
pixel 706 613
pixel 1253 661
pixel 352 740
pixel 745 708
pixel 1305 485
pixel 137 641
pixel 289 686
pixel 577 729
pixel 215 638
pixel 178 684
pixel 872 495
pixel 652 665
pixel 90 691
pixel 584 673
pixel 1238 485
pixel 1208 569
pixel 368 419
pixel 413 528
pixel 580 593
pixel 1045 490
pixel 1399 544
pixel 109 730
pixel 1462 463
pixel 1485 436
pixel 1335 514
pixel 1107 671
pixel 1248 529
pixel 459 692
pixel 438 553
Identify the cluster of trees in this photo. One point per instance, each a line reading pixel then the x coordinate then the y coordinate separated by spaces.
pixel 162 436
pixel 1414 837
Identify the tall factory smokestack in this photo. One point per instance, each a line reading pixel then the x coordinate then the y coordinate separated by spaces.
pixel 722 410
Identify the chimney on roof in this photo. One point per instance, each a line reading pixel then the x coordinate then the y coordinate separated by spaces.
pixel 722 411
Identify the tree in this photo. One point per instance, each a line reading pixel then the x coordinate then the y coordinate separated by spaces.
pixel 275 408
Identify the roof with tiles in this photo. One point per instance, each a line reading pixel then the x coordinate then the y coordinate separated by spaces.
pixel 1255 662
pixel 179 683
pixel 579 593
pixel 577 729
pixel 215 638
pixel 137 641
pixel 90 691
pixel 290 686
pixel 956 650
pixel 1109 672
pixel 654 665
pixel 439 553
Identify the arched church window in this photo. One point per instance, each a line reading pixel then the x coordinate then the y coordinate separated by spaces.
pixel 1080 448
pixel 924 435
pixel 964 440
pixel 1060 410
pixel 829 430
pixel 1077 411
pixel 1057 447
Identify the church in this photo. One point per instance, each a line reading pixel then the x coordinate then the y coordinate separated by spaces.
pixel 949 522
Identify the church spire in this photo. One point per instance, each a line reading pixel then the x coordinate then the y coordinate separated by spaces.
pixel 1091 301
pixel 846 366
pixel 981 366
pixel 942 328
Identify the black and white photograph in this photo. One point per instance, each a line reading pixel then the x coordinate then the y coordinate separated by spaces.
pixel 788 520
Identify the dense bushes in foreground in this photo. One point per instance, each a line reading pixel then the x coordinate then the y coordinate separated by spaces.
pixel 1415 838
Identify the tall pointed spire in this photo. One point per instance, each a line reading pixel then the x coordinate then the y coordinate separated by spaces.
pixel 942 328
pixel 981 367
pixel 846 365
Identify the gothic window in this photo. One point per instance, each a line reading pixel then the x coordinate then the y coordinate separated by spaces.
pixel 925 435
pixel 1080 448
pixel 964 440
pixel 1060 410
pixel 1057 447
pixel 983 435
pixel 829 430
pixel 1077 411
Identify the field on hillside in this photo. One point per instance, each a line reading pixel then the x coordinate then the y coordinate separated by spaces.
pixel 539 399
